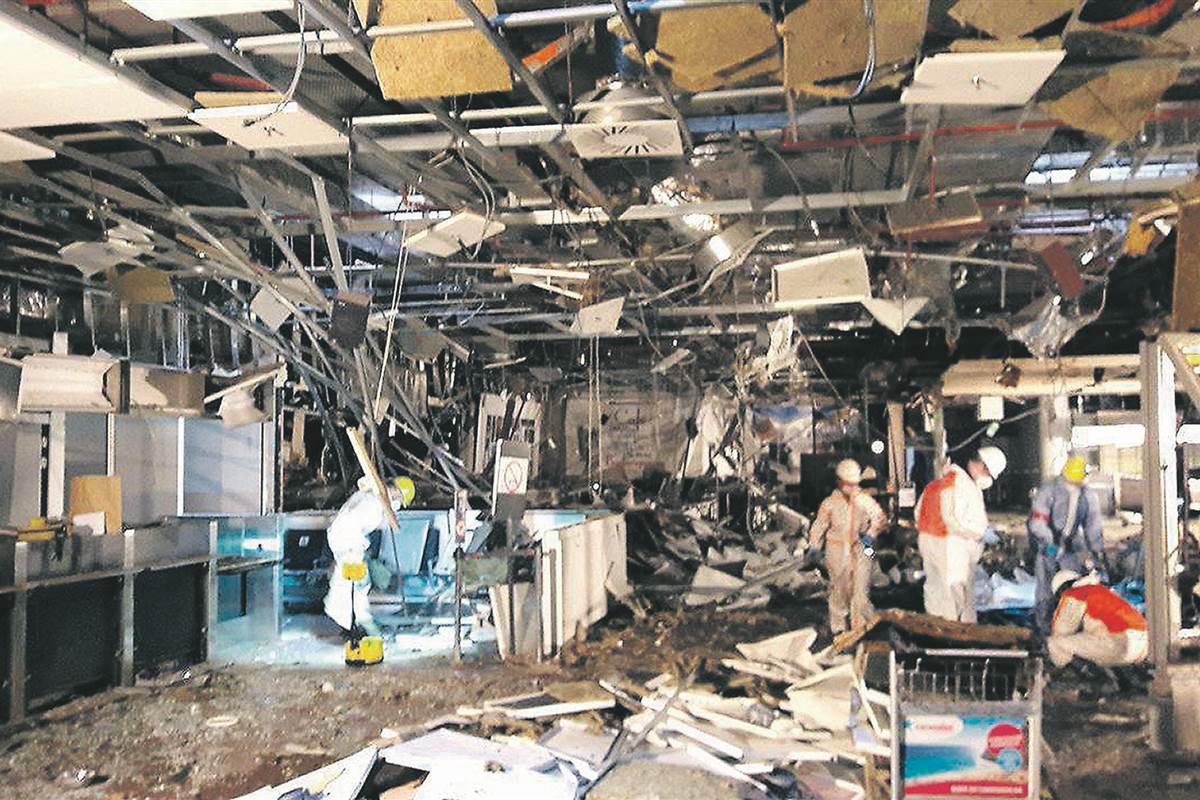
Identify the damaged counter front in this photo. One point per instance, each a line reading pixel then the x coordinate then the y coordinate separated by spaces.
pixel 83 613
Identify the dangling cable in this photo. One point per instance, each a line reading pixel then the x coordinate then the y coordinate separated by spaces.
pixel 291 90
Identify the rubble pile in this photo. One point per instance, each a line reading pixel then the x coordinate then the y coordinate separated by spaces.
pixel 782 719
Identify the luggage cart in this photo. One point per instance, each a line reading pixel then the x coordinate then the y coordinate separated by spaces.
pixel 966 724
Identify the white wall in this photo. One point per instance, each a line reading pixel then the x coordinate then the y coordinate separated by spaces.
pixel 20 472
pixel 147 459
pixel 222 467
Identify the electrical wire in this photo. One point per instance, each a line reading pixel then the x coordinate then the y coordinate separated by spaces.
pixel 301 54
pixel 869 70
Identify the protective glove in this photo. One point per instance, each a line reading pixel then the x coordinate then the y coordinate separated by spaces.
pixel 868 545
pixel 1051 550
pixel 812 556
pixel 990 536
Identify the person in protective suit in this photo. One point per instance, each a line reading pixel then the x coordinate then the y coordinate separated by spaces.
pixel 1094 623
pixel 951 525
pixel 1065 533
pixel 349 539
pixel 847 523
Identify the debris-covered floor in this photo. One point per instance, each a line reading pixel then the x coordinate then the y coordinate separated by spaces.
pixel 228 731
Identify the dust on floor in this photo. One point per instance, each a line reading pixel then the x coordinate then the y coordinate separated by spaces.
pixel 233 731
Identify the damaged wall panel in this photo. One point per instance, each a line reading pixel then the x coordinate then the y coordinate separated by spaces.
pixel 439 64
pixel 827 39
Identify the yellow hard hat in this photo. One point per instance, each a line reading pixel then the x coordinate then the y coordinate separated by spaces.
pixel 1075 470
pixel 405 487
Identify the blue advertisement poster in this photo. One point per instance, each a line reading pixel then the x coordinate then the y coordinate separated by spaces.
pixel 969 756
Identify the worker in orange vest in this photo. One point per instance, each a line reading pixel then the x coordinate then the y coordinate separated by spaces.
pixel 951 523
pixel 1094 623
pixel 847 523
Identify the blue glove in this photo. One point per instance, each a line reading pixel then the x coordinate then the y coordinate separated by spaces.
pixel 990 536
pixel 1051 550
pixel 812 555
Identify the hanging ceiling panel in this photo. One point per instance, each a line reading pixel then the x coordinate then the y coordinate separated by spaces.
pixel 260 127
pixel 46 83
pixel 15 149
pixel 189 9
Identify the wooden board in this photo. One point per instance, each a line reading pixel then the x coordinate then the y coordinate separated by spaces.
pixel 91 493
pixel 440 64
pixel 827 39
pixel 142 286
pixel 927 626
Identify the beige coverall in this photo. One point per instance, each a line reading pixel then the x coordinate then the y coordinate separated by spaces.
pixel 841 520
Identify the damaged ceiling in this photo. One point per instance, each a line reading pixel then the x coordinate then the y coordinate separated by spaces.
pixel 479 191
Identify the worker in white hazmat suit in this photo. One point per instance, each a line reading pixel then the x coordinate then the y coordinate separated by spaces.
pixel 847 523
pixel 951 524
pixel 349 540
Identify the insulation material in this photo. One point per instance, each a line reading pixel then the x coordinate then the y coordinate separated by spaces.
pixel 828 39
pixel 434 64
pixel 230 99
pixel 936 219
pixel 1063 269
pixel 1010 18
pixel 269 127
pixel 982 79
pixel 97 493
pixel 925 278
pixel 1185 293
pixel 1115 103
pixel 48 83
pixel 142 286
pixel 189 9
pixel 768 64
pixel 702 54
pixel 831 278
pixel 13 148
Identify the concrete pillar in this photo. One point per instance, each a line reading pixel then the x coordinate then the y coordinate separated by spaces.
pixel 1054 432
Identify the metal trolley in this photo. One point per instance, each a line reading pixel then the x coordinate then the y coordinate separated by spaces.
pixel 966 724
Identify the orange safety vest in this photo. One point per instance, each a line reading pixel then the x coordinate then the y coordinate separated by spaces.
pixel 1108 607
pixel 930 519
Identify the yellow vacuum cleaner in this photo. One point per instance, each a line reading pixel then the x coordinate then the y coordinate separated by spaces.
pixel 361 651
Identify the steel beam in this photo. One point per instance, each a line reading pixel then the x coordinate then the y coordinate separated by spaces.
pixel 531 81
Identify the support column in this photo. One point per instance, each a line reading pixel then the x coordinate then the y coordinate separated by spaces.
pixel 1054 432
pixel 897 465
pixel 940 458
pixel 1160 512
pixel 126 676
pixel 18 626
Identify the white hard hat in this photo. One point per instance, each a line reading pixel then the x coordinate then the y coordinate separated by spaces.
pixel 848 471
pixel 1062 578
pixel 993 458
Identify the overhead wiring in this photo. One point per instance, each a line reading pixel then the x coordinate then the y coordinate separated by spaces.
pixel 301 54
